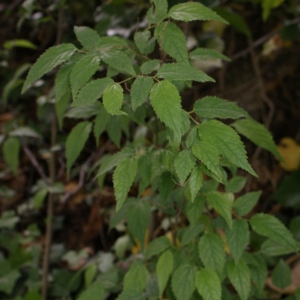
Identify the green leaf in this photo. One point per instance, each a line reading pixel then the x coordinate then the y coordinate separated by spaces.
pixel 11 151
pixel 190 233
pixel 192 11
pixel 244 204
pixel 239 276
pixel 123 178
pixel 208 284
pixel 194 210
pixel 90 273
pixel 186 274
pixel 118 60
pixel 165 100
pixel 213 107
pixel 164 268
pixel 85 111
pixel 269 226
pixel 92 91
pixel 62 81
pixel 237 238
pixel 154 15
pixel 95 291
pixel 76 141
pixel 208 155
pixel 138 218
pixel 113 99
pixel 257 134
pixel 195 182
pixel 61 106
pixel 83 70
pixel 100 123
pixel 140 90
pixel 114 130
pixel 53 57
pixel 143 41
pixel 8 281
pixel 211 252
pixel 135 278
pixel 110 161
pixel 271 248
pixel 182 71
pixel 157 246
pixel 258 270
pixel 130 295
pixel 207 54
pixel 282 275
pixel 172 41
pixel 235 184
pixel 149 66
pixel 39 198
pixel 227 143
pixel 184 163
pixel 222 205
pixel 87 37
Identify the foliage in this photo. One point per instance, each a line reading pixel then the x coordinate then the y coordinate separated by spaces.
pixel 179 165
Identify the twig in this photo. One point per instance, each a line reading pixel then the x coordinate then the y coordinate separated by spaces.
pixel 35 163
pixel 52 173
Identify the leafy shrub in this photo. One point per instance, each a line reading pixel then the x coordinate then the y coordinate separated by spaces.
pixel 184 163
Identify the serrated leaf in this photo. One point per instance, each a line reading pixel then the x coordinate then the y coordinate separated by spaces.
pixel 143 41
pixel 11 151
pixel 83 70
pixel 211 252
pixel 269 226
pixel 237 238
pixel 87 37
pixel 114 130
pixel 271 248
pixel 101 121
pixel 140 90
pixel 113 99
pixel 138 218
pixel 282 275
pixel 135 278
pixel 110 161
pixel 244 204
pixel 76 141
pixel 157 246
pixel 213 107
pixel 235 184
pixel 185 273
pixel 195 182
pixel 184 163
pixel 208 284
pixel 62 81
pixel 92 91
pixel 165 100
pixel 164 268
pixel 84 111
pixel 239 276
pixel 227 143
pixel 149 66
pixel 192 11
pixel 172 41
pixel 182 71
pixel 190 233
pixel 61 106
pixel 222 205
pixel 51 58
pixel 208 155
pixel 207 54
pixel 95 291
pixel 118 60
pixel 130 295
pixel 256 133
pixel 194 210
pixel 123 178
pixel 157 13
pixel 258 271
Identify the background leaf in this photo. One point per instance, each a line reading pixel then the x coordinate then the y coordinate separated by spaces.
pixel 244 204
pixel 87 37
pixel 135 278
pixel 74 145
pixel 11 151
pixel 53 57
pixel 164 269
pixel 282 275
